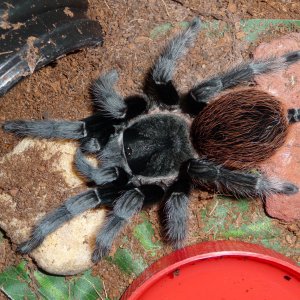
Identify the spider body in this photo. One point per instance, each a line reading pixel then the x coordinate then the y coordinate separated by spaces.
pixel 238 132
pixel 151 149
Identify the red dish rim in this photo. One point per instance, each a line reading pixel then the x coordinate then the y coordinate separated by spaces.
pixel 206 250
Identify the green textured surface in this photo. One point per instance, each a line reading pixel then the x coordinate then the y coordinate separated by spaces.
pixel 16 283
pixel 241 219
pixel 87 287
pixel 52 287
pixel 160 30
pixel 144 233
pixel 1 237
pixel 252 28
pixel 127 262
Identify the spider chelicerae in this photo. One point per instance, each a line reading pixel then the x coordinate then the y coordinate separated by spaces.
pixel 158 146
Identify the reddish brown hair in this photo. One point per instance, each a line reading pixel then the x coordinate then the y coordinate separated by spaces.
pixel 240 129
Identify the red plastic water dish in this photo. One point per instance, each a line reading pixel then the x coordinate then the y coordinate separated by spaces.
pixel 221 270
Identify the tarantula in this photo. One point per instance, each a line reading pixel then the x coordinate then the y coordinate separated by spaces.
pixel 152 147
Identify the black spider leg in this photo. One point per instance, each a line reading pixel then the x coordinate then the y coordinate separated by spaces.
pixel 101 176
pixel 237 183
pixel 241 74
pixel 83 130
pixel 293 115
pixel 47 128
pixel 106 100
pixel 111 107
pixel 176 212
pixel 71 208
pixel 124 208
pixel 111 110
pixel 159 84
pixel 93 132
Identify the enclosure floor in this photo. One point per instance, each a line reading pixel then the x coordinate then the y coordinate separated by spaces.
pixel 135 31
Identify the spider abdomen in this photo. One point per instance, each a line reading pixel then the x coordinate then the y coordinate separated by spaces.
pixel 240 129
pixel 156 145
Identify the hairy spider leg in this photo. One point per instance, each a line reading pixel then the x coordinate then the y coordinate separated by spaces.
pixel 107 101
pixel 111 105
pixel 176 212
pixel 125 207
pixel 47 129
pixel 238 183
pixel 293 115
pixel 101 176
pixel 93 132
pixel 112 110
pixel 71 208
pixel 160 81
pixel 244 73
pixel 84 129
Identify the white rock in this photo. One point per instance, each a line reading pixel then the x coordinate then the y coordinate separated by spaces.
pixel 68 250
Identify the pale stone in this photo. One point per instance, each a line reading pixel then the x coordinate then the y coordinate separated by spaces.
pixel 68 250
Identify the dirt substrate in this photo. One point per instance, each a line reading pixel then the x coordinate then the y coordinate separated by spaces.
pixel 61 91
